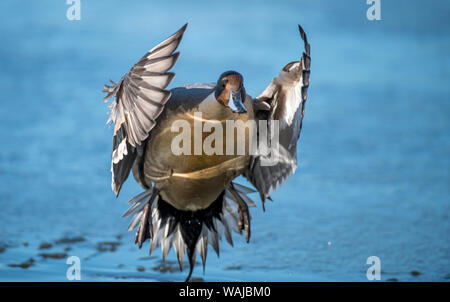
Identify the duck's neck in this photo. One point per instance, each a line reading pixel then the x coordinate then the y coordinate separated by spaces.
pixel 212 109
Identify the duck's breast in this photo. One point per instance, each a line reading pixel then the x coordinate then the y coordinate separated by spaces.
pixel 194 123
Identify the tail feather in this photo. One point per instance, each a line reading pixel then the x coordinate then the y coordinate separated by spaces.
pixel 134 222
pixel 179 247
pixel 202 245
pixel 213 240
pixel 187 231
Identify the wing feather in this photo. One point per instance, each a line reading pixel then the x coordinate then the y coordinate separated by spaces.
pixel 283 100
pixel 140 96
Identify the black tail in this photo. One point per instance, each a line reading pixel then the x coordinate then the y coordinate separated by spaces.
pixel 190 231
pixel 191 224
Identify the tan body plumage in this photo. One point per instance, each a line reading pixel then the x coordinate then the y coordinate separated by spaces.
pixel 192 182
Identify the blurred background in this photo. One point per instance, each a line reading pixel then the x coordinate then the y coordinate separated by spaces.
pixel 373 176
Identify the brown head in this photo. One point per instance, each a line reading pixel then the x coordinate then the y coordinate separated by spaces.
pixel 230 91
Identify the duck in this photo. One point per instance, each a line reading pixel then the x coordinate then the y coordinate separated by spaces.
pixel 187 171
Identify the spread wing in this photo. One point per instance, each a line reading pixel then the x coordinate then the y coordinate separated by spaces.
pixel 140 97
pixel 283 101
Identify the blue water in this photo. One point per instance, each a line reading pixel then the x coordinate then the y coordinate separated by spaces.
pixel 373 177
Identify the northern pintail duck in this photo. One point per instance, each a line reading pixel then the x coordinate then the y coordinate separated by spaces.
pixel 190 198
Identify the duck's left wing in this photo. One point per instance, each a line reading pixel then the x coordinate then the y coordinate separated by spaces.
pixel 283 101
pixel 140 97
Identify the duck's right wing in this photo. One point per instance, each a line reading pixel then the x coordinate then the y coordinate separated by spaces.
pixel 283 101
pixel 140 97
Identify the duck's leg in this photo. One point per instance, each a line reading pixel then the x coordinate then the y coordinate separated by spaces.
pixel 244 214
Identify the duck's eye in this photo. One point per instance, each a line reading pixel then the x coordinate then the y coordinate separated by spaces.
pixel 223 85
